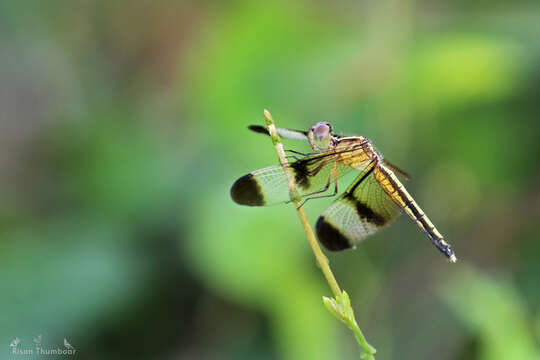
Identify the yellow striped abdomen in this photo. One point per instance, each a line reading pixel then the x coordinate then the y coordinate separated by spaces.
pixel 395 189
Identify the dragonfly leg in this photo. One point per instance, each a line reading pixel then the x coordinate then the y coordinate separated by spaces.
pixel 318 169
pixel 300 153
pixel 320 196
pixel 295 152
pixel 333 174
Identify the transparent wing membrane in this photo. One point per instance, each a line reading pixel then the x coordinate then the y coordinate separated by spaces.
pixel 399 171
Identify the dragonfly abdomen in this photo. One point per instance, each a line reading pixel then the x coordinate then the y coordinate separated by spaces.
pixel 402 198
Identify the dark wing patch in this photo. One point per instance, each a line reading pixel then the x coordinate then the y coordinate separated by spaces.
pixel 369 215
pixel 301 174
pixel 330 237
pixel 246 191
pixel 258 129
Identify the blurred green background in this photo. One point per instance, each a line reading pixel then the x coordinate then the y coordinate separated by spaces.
pixel 123 126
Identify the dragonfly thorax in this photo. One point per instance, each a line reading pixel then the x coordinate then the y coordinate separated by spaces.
pixel 320 136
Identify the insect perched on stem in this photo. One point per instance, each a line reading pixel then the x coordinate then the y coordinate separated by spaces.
pixel 374 199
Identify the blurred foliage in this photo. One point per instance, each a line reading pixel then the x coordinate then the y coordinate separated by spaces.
pixel 494 313
pixel 123 125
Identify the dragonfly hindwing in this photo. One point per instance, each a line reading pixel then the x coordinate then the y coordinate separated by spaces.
pixel 362 210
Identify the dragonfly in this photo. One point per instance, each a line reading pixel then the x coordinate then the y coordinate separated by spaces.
pixel 371 202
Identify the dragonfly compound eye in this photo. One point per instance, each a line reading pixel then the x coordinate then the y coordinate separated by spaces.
pixel 321 131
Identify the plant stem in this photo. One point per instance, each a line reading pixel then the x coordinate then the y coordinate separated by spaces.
pixel 345 312
pixel 322 260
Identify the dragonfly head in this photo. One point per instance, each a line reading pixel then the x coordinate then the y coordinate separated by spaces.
pixel 320 136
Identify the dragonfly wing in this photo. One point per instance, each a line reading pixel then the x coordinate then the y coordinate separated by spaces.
pixel 284 133
pixel 361 211
pixel 396 169
pixel 269 186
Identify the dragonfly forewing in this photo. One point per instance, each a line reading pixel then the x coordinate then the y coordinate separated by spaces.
pixel 282 132
pixel 269 186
